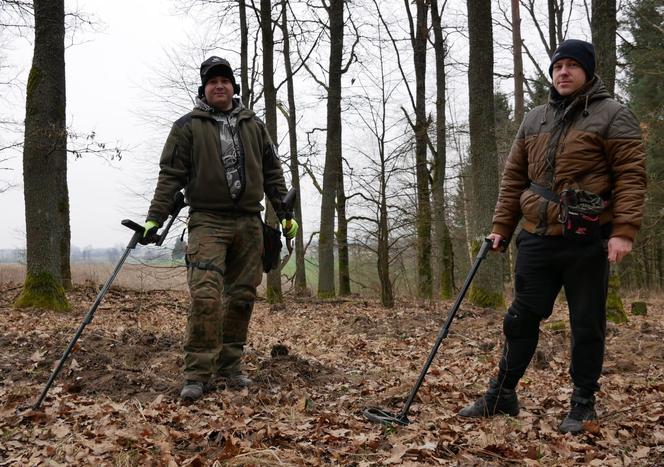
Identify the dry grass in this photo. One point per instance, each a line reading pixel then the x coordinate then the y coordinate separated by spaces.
pixel 131 276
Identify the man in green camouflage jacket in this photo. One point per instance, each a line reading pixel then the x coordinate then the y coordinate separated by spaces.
pixel 222 154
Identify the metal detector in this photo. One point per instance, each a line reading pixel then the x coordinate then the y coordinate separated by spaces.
pixel 380 416
pixel 137 238
pixel 288 202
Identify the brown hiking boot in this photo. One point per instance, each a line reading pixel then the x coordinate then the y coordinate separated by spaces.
pixel 495 400
pixel 582 410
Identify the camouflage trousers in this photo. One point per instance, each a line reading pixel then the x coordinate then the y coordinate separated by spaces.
pixel 224 267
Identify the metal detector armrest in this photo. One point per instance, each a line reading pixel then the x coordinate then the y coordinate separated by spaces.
pixel 138 232
pixel 132 225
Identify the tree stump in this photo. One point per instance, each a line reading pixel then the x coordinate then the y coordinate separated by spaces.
pixel 615 311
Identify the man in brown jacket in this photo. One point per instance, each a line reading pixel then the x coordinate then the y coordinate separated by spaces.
pixel 582 145
pixel 221 153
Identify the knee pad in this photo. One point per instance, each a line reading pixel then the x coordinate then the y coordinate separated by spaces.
pixel 520 324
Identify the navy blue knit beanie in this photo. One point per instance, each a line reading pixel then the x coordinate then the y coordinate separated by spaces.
pixel 581 51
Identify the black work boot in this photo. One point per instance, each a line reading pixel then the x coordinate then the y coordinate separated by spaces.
pixel 192 390
pixel 582 410
pixel 495 401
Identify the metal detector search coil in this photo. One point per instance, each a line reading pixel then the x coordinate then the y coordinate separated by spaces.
pixel 377 415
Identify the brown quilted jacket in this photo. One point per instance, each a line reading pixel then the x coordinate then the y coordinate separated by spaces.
pixel 587 141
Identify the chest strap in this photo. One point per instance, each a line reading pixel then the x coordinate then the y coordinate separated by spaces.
pixel 544 192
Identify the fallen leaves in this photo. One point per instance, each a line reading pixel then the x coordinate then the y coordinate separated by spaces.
pixel 116 400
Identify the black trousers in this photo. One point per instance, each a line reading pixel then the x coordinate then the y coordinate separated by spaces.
pixel 545 264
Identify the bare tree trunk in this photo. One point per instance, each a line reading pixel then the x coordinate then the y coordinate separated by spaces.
pixel 603 26
pixel 326 286
pixel 487 289
pixel 273 292
pixel 552 26
pixel 518 63
pixel 445 258
pixel 45 165
pixel 244 53
pixel 386 293
pixel 300 272
pixel 419 42
pixel 342 235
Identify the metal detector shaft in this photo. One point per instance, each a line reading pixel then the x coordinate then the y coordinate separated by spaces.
pixel 86 321
pixel 484 249
pixel 135 239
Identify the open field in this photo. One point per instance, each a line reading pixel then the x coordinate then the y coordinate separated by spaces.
pixel 115 402
pixel 132 276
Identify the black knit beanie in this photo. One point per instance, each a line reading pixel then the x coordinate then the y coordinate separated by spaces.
pixel 581 51
pixel 216 66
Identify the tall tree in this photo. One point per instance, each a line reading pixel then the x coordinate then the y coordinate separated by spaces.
pixel 291 115
pixel 244 54
pixel 419 36
pixel 445 253
pixel 553 16
pixel 273 293
pixel 644 54
pixel 518 62
pixel 326 288
pixel 45 164
pixel 343 260
pixel 487 287
pixel 603 28
pixel 376 179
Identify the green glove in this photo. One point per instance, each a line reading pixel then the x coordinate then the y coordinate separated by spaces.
pixel 150 227
pixel 289 227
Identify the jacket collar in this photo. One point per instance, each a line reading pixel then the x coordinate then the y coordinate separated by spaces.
pixel 592 90
pixel 203 110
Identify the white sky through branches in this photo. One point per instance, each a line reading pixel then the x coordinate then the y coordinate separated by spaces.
pixel 109 71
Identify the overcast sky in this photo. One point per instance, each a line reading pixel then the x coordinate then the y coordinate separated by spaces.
pixel 105 72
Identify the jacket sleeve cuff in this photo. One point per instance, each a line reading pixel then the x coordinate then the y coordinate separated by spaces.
pixel 153 218
pixel 502 230
pixel 624 230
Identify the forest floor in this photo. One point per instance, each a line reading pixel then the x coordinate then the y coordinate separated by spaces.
pixel 115 402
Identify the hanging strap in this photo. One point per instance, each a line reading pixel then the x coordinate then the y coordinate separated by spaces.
pixel 545 192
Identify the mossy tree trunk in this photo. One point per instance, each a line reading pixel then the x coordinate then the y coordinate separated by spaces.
pixel 487 287
pixel 615 310
pixel 45 165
